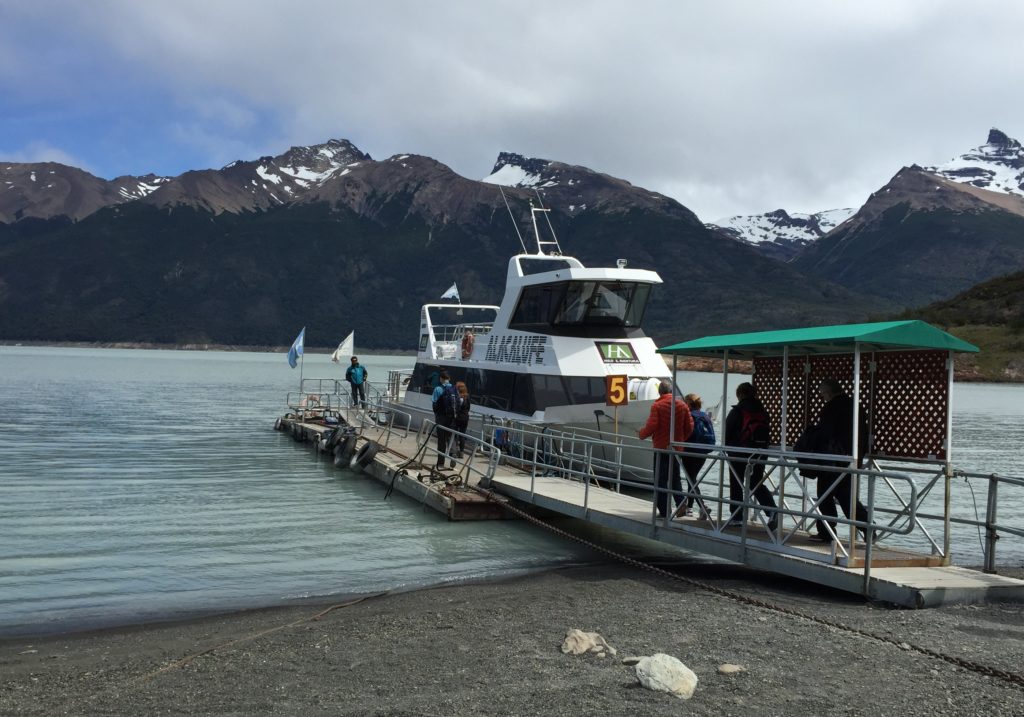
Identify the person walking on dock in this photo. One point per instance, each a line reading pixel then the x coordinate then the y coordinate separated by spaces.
pixel 356 376
pixel 445 403
pixel 833 433
pixel 746 426
pixel 694 458
pixel 657 428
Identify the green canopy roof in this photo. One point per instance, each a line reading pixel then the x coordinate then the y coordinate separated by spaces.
pixel 885 335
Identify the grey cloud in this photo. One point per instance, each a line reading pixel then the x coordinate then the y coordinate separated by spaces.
pixel 736 107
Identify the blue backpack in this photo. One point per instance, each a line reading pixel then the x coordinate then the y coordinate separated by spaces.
pixel 703 432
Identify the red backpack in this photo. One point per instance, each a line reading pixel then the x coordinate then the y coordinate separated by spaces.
pixel 755 431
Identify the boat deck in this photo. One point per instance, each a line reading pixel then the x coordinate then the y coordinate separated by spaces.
pixel 895 575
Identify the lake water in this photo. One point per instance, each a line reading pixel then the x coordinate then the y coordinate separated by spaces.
pixel 147 485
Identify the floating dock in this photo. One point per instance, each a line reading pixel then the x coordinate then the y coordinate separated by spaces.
pixel 404 461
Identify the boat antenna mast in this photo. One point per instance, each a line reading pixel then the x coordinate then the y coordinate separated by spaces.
pixel 553 242
pixel 515 225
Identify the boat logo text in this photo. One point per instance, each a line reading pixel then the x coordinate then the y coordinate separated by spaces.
pixel 527 350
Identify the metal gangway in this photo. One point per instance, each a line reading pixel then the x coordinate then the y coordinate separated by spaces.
pixel 899 375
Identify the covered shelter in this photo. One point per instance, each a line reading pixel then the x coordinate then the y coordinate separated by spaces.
pixel 899 373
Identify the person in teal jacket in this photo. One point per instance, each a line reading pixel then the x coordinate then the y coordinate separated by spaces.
pixel 356 376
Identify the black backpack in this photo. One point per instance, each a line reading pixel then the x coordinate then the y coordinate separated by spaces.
pixel 447 403
pixel 755 431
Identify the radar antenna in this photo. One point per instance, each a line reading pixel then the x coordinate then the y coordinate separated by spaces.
pixel 553 242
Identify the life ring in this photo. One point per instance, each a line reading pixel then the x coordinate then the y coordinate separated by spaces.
pixel 343 450
pixel 363 457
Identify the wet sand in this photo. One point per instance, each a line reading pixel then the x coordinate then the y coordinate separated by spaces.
pixel 494 649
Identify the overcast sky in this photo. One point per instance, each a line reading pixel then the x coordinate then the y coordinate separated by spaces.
pixel 731 107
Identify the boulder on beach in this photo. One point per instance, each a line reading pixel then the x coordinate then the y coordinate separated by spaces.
pixel 664 673
pixel 578 642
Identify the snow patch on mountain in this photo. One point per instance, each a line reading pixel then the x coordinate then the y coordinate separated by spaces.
pixel 997 165
pixel 782 227
pixel 515 170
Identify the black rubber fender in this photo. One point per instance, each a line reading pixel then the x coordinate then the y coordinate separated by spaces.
pixel 364 456
pixel 343 451
pixel 277 425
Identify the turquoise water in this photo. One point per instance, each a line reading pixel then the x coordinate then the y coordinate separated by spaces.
pixel 148 485
pixel 141 485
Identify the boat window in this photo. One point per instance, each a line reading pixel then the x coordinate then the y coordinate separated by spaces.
pixel 587 389
pixel 537 305
pixel 549 391
pixel 568 306
pixel 536 265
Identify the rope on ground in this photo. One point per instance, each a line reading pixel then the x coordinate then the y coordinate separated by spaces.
pixel 1013 678
pixel 252 636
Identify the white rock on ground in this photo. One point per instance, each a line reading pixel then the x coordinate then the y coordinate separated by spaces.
pixel 664 673
pixel 727 668
pixel 578 642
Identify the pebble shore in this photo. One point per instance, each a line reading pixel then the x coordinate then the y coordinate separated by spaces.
pixel 494 649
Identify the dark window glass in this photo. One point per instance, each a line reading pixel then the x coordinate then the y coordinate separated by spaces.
pixel 529 265
pixel 537 306
pixel 522 395
pixel 549 391
pixel 575 307
pixel 637 307
pixel 586 389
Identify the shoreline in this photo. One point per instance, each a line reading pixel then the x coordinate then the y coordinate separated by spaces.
pixel 493 648
pixel 963 373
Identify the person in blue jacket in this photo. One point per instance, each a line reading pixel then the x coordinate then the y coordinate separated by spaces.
pixel 356 376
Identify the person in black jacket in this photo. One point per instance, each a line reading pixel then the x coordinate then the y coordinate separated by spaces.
pixel 746 426
pixel 833 433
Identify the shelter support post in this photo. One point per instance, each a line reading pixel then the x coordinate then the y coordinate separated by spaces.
pixel 855 450
pixel 947 511
pixel 722 467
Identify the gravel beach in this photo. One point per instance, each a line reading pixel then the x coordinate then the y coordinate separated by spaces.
pixel 494 648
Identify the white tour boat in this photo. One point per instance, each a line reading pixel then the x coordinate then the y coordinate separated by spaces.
pixel 543 355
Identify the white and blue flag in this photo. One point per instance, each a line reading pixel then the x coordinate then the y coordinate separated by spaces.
pixel 452 293
pixel 296 350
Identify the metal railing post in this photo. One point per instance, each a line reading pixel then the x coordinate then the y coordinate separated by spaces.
pixel 991 531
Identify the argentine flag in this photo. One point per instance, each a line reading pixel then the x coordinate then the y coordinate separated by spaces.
pixel 296 350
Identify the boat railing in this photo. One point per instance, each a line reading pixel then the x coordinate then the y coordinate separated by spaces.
pixel 448 338
pixel 397 384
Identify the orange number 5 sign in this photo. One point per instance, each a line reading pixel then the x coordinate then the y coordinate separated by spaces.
pixel 616 390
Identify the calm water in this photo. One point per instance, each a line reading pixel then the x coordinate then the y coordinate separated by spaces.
pixel 144 485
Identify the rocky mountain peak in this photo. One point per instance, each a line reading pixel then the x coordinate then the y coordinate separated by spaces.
pixel 997 165
pixel 999 139
pixel 515 170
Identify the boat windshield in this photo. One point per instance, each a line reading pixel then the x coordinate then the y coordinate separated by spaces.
pixel 561 306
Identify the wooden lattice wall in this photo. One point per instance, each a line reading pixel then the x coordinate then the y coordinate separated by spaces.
pixel 904 395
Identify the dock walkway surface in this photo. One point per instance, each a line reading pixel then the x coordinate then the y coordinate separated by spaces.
pixel 405 461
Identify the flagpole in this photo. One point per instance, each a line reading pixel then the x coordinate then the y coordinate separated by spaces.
pixel 302 363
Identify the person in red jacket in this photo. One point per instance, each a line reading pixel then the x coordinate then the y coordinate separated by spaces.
pixel 657 428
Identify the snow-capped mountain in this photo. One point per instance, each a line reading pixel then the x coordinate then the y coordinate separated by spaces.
pixel 997 165
pixel 779 233
pixel 262 183
pixel 45 189
pixel 576 188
